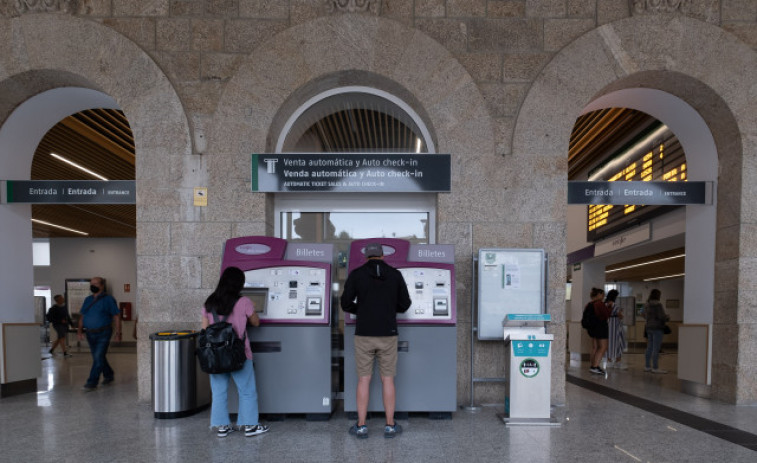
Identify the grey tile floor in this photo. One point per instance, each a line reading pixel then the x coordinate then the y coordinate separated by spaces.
pixel 61 423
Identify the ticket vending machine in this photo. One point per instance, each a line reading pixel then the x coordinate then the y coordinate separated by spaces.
pixel 290 286
pixel 426 378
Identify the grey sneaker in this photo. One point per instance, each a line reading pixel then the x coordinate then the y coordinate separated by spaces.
pixel 250 431
pixel 391 431
pixel 360 431
pixel 225 430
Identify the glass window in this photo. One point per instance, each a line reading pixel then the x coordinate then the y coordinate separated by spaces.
pixel 41 253
pixel 328 227
pixel 341 228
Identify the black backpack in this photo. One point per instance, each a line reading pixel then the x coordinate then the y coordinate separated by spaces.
pixel 219 349
pixel 589 318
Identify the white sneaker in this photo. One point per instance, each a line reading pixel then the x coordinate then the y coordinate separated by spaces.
pixel 250 431
pixel 659 372
pixel 225 430
pixel 647 369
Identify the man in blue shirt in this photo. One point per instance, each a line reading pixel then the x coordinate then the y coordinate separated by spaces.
pixel 99 314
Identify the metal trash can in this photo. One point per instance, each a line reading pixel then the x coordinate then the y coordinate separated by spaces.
pixel 179 387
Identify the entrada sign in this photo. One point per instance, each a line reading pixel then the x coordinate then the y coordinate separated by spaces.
pixel 351 173
pixel 71 191
pixel 642 193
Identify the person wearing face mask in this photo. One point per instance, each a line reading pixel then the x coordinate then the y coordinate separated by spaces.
pixel 99 315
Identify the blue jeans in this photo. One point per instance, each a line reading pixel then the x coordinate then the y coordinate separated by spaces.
pixel 98 345
pixel 654 344
pixel 248 397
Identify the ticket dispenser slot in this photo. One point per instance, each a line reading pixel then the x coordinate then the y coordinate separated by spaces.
pixel 313 306
pixel 441 306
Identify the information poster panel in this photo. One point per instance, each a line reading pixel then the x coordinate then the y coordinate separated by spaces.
pixel 510 281
pixel 77 289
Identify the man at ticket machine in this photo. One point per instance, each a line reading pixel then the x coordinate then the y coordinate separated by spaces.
pixel 375 292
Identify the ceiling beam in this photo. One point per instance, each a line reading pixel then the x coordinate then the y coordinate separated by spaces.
pixel 96 137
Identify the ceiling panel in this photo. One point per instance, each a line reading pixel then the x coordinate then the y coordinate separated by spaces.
pixel 100 140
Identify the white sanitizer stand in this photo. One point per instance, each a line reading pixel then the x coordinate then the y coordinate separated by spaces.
pixel 529 367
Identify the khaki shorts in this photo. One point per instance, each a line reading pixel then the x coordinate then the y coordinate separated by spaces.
pixel 383 348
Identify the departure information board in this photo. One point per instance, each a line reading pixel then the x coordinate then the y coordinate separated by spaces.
pixel 656 155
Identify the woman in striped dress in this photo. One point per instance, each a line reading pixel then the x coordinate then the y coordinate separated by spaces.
pixel 616 336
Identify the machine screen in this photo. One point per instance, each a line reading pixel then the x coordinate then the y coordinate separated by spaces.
pixel 431 292
pixel 291 292
pixel 259 298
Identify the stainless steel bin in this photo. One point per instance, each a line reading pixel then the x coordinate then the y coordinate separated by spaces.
pixel 179 387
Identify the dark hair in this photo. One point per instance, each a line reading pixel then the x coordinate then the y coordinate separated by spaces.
pixel 654 295
pixel 595 292
pixel 227 292
pixel 611 295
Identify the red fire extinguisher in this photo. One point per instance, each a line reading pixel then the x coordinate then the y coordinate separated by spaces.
pixel 125 310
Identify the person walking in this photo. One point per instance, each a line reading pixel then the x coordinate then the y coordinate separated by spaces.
pixel 229 305
pixel 59 318
pixel 99 314
pixel 375 292
pixel 655 316
pixel 616 338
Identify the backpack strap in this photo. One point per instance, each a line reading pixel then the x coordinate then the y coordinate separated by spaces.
pixel 216 317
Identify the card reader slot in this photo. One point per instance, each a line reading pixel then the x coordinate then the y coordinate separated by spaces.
pixel 403 346
pixel 259 347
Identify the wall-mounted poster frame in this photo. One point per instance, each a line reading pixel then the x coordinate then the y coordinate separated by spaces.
pixel 510 281
pixel 77 289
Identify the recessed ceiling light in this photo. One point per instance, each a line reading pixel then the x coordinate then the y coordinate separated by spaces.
pixel 646 263
pixel 82 168
pixel 665 277
pixel 42 222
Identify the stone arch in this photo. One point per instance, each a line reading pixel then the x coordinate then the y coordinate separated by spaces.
pixel 39 52
pixel 704 66
pixel 332 50
pixel 46 51
pixel 343 50
pixel 327 50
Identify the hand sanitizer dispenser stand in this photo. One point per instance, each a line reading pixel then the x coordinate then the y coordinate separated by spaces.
pixel 529 366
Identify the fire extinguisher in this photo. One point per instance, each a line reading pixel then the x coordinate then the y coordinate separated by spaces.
pixel 125 308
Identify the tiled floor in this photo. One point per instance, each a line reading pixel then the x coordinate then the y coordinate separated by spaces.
pixel 61 423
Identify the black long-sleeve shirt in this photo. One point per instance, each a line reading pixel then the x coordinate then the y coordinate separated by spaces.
pixel 375 292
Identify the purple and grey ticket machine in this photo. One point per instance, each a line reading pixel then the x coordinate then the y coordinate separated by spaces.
pixel 426 378
pixel 290 286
